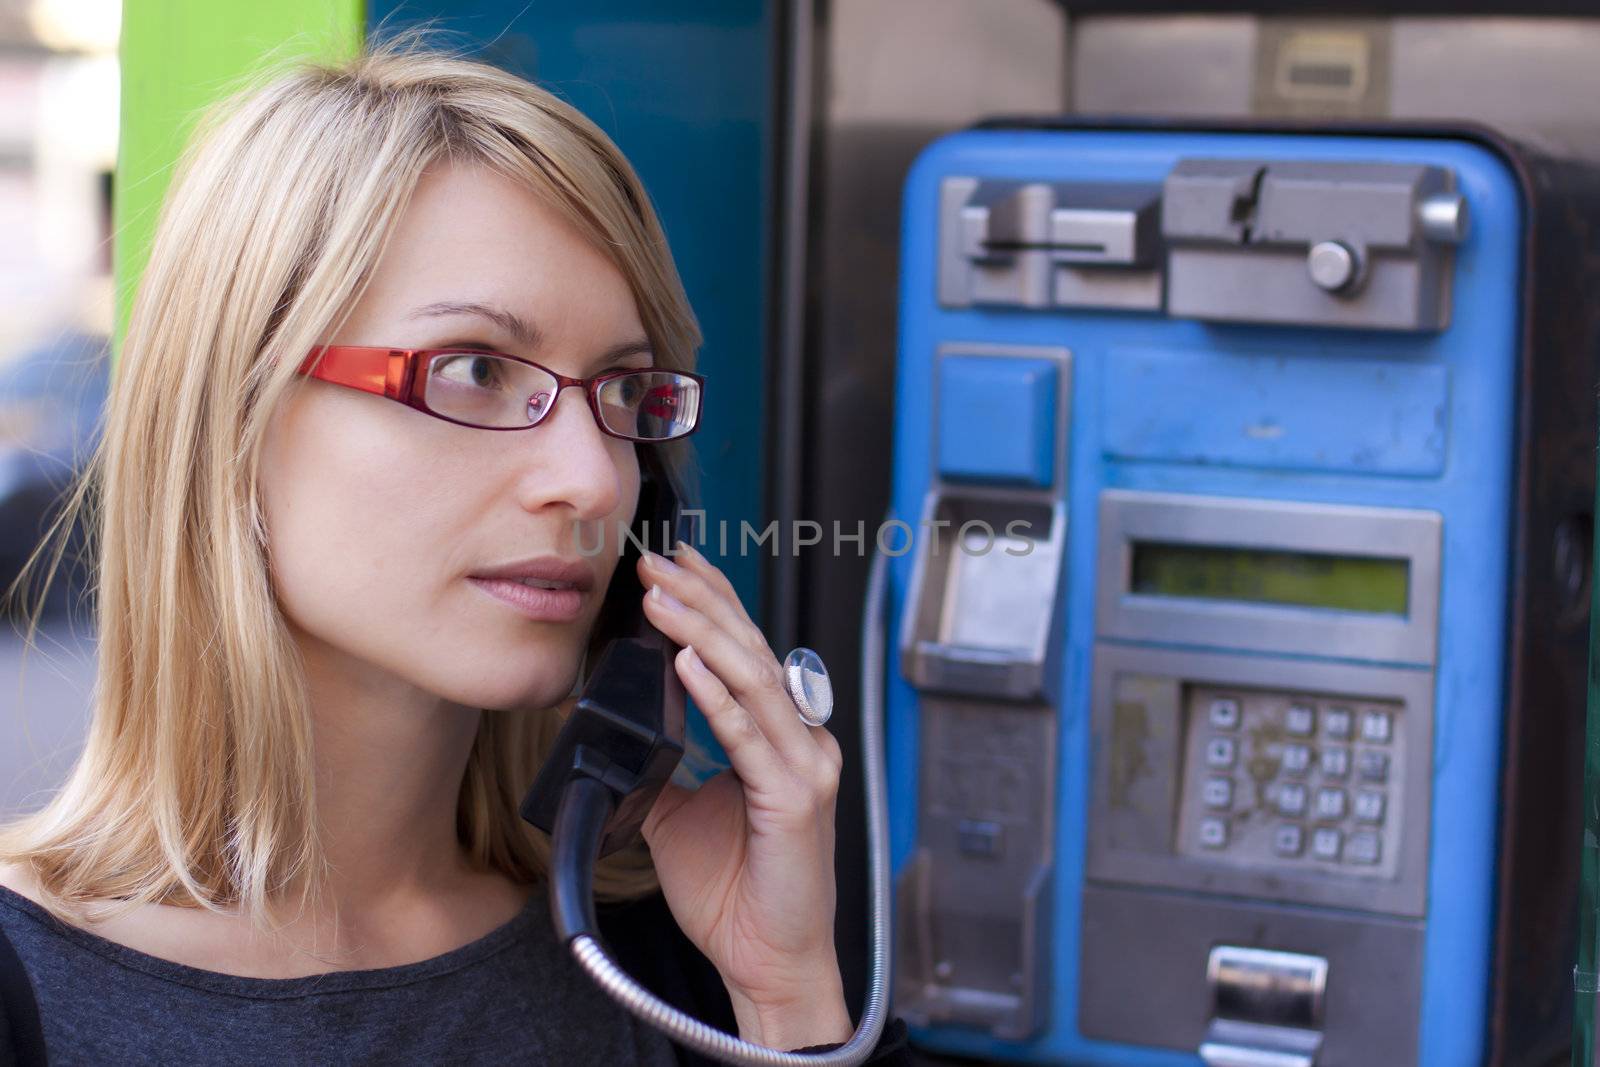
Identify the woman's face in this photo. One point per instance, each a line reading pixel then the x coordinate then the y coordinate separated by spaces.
pixel 379 516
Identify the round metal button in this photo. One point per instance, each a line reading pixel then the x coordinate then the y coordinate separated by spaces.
pixel 1332 265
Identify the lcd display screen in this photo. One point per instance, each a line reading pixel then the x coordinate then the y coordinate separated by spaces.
pixel 1371 584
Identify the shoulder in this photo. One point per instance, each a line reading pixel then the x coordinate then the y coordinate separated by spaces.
pixel 19 879
pixel 143 928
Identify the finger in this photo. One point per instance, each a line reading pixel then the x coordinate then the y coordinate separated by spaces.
pixel 829 745
pixel 703 594
pixel 753 758
pixel 691 558
pixel 753 676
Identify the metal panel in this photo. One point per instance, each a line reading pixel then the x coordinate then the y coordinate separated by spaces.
pixel 1174 65
pixel 1128 517
pixel 1131 830
pixel 1311 243
pixel 1531 76
pixel 1038 244
pixel 974 905
pixel 1145 954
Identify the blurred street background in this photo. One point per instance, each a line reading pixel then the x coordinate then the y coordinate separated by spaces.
pixel 58 144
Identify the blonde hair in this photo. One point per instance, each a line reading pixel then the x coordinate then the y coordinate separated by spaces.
pixel 195 785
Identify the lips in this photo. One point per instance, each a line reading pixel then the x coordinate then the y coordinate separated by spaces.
pixel 547 588
pixel 549 605
pixel 548 572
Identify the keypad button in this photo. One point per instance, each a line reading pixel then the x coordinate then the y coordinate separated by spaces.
pixel 1218 793
pixel 1287 840
pixel 1220 752
pixel 1335 762
pixel 1330 803
pixel 1325 843
pixel 1336 723
pixel 1300 720
pixel 1291 799
pixel 1213 833
pixel 1369 806
pixel 1224 713
pixel 1296 759
pixel 1365 847
pixel 1373 766
pixel 1375 727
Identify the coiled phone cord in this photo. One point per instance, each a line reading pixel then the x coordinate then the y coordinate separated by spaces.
pixel 579 826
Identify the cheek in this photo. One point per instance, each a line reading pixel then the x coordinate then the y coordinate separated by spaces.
pixel 335 500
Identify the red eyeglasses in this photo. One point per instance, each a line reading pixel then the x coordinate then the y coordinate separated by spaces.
pixel 494 391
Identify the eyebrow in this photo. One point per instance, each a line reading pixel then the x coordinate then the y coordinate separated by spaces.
pixel 524 332
pixel 521 329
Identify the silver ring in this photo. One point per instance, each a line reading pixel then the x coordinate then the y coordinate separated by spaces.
pixel 807 681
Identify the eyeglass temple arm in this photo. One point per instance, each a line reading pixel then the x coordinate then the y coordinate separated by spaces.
pixel 386 372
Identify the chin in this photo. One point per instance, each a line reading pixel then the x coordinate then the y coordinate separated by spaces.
pixel 548 687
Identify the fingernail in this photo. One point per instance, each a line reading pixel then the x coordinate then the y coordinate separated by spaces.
pixel 686 547
pixel 660 562
pixel 665 599
pixel 695 662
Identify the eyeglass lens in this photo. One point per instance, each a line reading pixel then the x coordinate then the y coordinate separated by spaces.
pixel 494 392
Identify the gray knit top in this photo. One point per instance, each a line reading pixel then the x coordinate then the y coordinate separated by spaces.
pixel 514 996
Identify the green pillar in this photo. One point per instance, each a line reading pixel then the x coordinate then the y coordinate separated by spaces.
pixel 178 56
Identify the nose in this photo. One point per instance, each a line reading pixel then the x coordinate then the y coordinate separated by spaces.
pixel 570 462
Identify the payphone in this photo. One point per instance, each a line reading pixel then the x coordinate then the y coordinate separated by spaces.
pixel 1232 457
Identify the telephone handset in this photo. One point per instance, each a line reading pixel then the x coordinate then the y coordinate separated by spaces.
pixel 627 728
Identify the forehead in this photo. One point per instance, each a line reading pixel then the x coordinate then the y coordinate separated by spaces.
pixel 470 233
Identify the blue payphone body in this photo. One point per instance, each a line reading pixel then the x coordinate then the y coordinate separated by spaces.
pixel 1206 452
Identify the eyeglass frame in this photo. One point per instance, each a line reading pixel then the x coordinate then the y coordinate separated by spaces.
pixel 393 373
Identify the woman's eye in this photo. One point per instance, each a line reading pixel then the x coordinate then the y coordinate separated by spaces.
pixel 481 371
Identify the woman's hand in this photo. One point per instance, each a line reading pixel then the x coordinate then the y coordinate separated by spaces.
pixel 746 862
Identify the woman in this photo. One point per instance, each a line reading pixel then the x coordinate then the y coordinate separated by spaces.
pixel 292 834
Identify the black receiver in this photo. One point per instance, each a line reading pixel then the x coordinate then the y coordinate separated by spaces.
pixel 626 732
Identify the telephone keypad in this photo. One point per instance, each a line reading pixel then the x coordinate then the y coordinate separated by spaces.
pixel 1219 793
pixel 1219 752
pixel 1224 713
pixel 1369 806
pixel 1291 780
pixel 1325 843
pixel 1365 847
pixel 1330 804
pixel 1375 727
pixel 1374 766
pixel 1301 720
pixel 1291 799
pixel 1296 759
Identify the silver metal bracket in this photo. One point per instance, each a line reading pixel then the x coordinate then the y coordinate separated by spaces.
pixel 1311 243
pixel 1049 244
pixel 1266 1008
